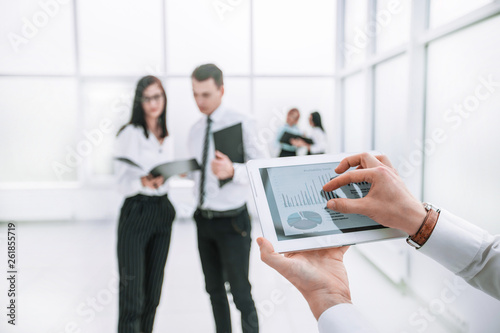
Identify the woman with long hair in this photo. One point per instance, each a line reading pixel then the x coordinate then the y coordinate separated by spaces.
pixel 317 135
pixel 146 216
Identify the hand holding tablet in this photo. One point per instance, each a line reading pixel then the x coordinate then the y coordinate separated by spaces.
pixel 292 203
pixel 308 270
pixel 320 275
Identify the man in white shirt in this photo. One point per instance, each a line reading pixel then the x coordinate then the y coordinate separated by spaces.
pixel 460 246
pixel 222 186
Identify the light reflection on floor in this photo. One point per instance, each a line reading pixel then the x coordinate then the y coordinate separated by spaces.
pixel 68 283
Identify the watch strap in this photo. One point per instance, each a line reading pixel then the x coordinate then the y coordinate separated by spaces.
pixel 425 230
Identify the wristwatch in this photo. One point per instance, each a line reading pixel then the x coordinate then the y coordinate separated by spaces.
pixel 425 230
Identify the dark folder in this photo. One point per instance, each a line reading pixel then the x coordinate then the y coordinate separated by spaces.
pixel 229 141
pixel 168 169
pixel 285 138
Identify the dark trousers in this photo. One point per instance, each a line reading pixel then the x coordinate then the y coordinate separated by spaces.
pixel 144 232
pixel 224 246
pixel 287 153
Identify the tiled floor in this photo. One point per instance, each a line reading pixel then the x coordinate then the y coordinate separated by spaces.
pixel 68 283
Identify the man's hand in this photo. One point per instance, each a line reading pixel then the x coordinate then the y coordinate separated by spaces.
pixel 319 275
pixel 152 182
pixel 222 167
pixel 389 201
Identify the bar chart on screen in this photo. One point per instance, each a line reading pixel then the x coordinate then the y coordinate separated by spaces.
pixel 301 200
pixel 310 194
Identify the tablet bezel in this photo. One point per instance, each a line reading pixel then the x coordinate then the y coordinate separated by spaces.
pixel 310 242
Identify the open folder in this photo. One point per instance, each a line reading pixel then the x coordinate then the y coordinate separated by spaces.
pixel 229 141
pixel 168 169
pixel 285 138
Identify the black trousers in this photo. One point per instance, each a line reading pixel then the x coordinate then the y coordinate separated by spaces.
pixel 224 246
pixel 287 153
pixel 144 231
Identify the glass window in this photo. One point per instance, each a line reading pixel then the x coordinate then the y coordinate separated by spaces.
pixel 201 32
pixel 37 37
pixel 294 37
pixel 275 97
pixel 119 37
pixel 462 136
pixel 390 138
pixel 444 11
pixel 356 34
pixel 183 112
pixel 357 115
pixel 107 106
pixel 391 108
pixel 39 118
pixel 392 20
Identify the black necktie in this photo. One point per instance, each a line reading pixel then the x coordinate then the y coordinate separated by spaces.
pixel 204 163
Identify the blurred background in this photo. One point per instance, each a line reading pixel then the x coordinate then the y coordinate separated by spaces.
pixel 417 80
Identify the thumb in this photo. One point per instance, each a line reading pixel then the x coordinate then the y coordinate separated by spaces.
pixel 347 206
pixel 266 248
pixel 267 254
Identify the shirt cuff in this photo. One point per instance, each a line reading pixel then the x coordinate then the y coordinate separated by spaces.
pixel 343 318
pixel 240 173
pixel 454 242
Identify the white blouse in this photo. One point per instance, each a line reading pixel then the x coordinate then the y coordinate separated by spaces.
pixel 319 141
pixel 132 144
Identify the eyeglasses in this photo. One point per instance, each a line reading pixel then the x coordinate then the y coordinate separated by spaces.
pixel 155 98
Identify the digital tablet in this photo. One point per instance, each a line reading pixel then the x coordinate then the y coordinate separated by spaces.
pixel 292 210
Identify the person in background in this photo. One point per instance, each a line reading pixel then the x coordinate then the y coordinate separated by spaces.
pixel 222 220
pixel 292 119
pixel 317 135
pixel 463 248
pixel 146 215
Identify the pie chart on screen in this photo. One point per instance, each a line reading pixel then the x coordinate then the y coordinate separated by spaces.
pixel 304 220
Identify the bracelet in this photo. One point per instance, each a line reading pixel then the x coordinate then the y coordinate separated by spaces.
pixel 425 230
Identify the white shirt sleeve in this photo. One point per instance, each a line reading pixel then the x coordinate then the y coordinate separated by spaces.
pixel 466 250
pixel 343 318
pixel 127 177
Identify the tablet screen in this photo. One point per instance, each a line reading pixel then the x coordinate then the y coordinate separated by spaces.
pixel 298 203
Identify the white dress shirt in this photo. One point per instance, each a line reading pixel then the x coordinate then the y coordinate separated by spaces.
pixel 233 194
pixel 132 144
pixel 465 249
pixel 319 141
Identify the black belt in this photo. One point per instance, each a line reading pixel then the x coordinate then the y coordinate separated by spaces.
pixel 214 214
